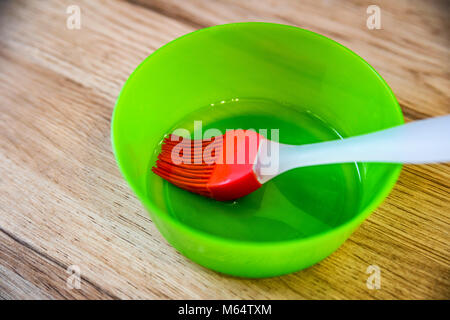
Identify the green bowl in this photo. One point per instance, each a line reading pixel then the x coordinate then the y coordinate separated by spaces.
pixel 266 61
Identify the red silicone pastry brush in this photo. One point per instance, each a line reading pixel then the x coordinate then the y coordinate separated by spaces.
pixel 233 165
pixel 219 168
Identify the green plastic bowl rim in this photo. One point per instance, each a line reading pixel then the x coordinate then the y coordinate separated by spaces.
pixel 350 224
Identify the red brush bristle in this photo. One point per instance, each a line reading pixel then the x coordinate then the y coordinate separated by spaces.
pixel 193 175
pixel 201 172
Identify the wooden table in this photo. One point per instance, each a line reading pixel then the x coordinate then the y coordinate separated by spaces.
pixel 63 201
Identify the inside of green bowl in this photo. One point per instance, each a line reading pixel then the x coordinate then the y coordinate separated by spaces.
pixel 260 76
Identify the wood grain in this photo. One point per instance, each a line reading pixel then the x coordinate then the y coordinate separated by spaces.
pixel 63 201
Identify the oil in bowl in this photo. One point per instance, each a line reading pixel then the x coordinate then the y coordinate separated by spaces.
pixel 297 204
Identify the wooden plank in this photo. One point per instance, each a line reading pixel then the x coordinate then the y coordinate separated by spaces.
pixel 28 273
pixel 63 201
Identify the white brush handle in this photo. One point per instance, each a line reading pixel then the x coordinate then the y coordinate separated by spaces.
pixel 423 141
